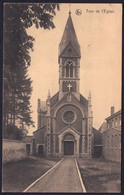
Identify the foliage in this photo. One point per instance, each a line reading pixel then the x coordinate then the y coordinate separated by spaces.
pixel 12 132
pixel 17 45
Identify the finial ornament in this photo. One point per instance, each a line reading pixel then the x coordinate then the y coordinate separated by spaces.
pixel 49 96
pixel 89 97
pixel 69 9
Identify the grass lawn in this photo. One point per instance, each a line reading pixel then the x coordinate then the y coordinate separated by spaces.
pixel 17 176
pixel 100 176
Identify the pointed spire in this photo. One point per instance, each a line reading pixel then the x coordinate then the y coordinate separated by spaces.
pixel 69 9
pixel 89 97
pixel 38 105
pixel 48 103
pixel 69 36
pixel 90 113
pixel 48 96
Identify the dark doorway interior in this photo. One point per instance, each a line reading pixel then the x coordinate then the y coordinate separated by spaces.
pixel 28 149
pixel 97 151
pixel 68 148
pixel 40 150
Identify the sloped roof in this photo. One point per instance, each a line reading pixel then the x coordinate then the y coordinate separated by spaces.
pixel 103 127
pixel 40 129
pixel 84 101
pixel 28 138
pixel 69 36
pixel 54 99
pixel 113 115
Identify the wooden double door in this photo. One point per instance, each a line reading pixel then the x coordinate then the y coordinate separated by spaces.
pixel 68 147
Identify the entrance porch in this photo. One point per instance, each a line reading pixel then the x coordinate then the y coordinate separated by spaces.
pixel 69 143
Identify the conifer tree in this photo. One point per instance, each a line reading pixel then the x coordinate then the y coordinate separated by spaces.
pixel 17 45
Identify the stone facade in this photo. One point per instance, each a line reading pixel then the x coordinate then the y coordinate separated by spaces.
pixel 111 138
pixel 13 150
pixel 65 119
pixel 39 142
pixel 111 142
pixel 97 143
pixel 29 144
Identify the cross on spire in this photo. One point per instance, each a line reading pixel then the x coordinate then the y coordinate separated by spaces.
pixel 69 86
pixel 69 8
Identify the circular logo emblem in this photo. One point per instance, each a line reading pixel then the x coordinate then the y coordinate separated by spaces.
pixel 78 12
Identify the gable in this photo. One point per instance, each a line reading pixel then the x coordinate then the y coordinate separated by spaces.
pixel 69 51
pixel 84 102
pixel 54 99
pixel 70 99
pixel 69 130
pixel 39 135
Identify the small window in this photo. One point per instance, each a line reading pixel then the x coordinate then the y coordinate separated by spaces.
pixel 115 140
pixel 112 123
pixel 69 69
pixel 108 141
pixel 112 141
pixel 119 121
pixel 69 97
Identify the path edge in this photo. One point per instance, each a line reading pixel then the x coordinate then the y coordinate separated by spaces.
pixel 81 181
pixel 42 176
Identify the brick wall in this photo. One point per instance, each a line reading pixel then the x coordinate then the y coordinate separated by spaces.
pixel 111 142
pixel 39 135
pixel 13 150
pixel 39 139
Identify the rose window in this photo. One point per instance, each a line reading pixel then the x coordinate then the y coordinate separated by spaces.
pixel 69 116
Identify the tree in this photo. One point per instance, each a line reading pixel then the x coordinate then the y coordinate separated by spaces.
pixel 17 45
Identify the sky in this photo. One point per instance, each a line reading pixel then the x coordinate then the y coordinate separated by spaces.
pixel 99 33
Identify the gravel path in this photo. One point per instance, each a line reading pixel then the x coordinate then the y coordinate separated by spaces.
pixel 63 178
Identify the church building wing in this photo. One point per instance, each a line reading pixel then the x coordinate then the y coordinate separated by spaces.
pixel 65 119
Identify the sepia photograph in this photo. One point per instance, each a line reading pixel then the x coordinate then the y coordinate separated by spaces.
pixel 62 87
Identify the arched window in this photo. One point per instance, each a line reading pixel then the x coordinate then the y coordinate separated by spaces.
pixel 69 69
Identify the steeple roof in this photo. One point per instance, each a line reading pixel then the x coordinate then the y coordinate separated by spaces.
pixel 69 36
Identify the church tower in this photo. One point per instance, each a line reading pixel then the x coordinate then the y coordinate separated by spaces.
pixel 69 61
pixel 65 120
